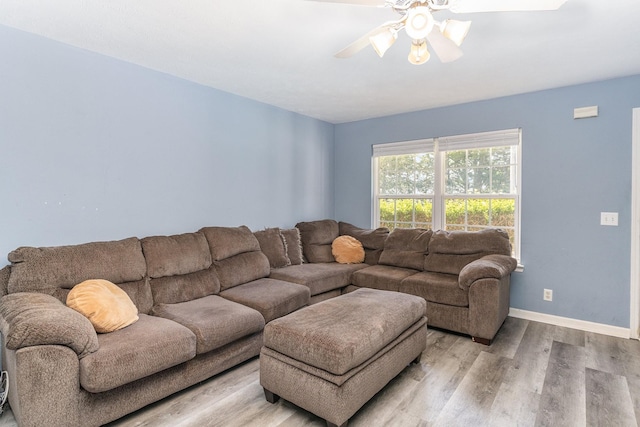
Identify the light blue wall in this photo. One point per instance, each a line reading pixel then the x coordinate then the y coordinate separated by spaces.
pixel 572 170
pixel 92 148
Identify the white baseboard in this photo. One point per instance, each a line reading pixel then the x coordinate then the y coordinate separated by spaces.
pixel 583 325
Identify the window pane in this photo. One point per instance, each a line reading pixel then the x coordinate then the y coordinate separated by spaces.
pixel 404 210
pixel 478 212
pixel 479 157
pixel 503 213
pixel 406 213
pixel 456 159
pixel 455 212
pixel 386 174
pixel 424 173
pixel 479 181
pixel 387 210
pixel 406 174
pixel 477 189
pixel 481 171
pixel 503 156
pixel 455 227
pixel 501 180
pixel 424 212
pixel 498 213
pixel 456 181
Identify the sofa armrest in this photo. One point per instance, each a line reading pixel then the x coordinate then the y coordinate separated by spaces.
pixel 30 319
pixel 487 267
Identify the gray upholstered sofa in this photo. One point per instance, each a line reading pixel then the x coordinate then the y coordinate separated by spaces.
pixel 203 300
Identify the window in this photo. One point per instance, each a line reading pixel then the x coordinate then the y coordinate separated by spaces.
pixel 466 182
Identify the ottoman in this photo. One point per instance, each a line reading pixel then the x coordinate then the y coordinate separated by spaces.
pixel 332 357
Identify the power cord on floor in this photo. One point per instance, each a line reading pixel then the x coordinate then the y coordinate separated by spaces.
pixel 4 389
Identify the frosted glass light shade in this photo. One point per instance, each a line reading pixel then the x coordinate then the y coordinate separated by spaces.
pixel 455 31
pixel 419 53
pixel 419 22
pixel 383 40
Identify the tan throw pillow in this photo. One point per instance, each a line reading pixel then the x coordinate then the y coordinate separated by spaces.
pixel 107 307
pixel 347 250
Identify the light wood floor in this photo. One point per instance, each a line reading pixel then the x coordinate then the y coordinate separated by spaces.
pixel 533 375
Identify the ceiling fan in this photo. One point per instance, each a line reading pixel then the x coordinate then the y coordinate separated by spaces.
pixel 416 17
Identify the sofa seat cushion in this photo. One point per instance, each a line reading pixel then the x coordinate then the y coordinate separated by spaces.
pixel 150 345
pixel 436 287
pixel 272 298
pixel 319 277
pixel 342 333
pixel 215 321
pixel 384 277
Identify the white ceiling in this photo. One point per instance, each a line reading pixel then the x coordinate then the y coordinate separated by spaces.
pixel 280 52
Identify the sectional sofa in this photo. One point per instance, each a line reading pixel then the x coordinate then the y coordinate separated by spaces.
pixel 201 302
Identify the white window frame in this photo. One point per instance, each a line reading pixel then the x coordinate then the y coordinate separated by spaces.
pixel 509 137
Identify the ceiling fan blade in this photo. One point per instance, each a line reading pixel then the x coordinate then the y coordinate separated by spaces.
pixel 363 41
pixel 472 6
pixel 444 48
pixel 377 3
pixel 358 45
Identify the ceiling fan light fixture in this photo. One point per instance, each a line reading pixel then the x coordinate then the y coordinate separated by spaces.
pixel 419 54
pixel 383 40
pixel 419 22
pixel 456 31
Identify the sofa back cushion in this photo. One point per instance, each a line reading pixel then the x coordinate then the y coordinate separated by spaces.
pixel 372 240
pixel 450 251
pixel 179 268
pixel 406 247
pixel 236 255
pixel 273 245
pixel 56 270
pixel 294 245
pixel 4 280
pixel 317 237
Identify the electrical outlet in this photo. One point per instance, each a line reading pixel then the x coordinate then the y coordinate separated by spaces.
pixel 547 295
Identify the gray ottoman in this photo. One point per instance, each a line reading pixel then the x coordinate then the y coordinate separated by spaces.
pixel 332 357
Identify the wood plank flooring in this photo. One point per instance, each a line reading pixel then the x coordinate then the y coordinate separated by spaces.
pixel 534 374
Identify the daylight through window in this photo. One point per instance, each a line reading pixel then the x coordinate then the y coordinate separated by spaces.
pixel 465 182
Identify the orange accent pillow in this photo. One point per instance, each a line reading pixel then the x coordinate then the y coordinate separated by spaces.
pixel 106 305
pixel 347 250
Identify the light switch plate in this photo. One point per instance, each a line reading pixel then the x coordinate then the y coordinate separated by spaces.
pixel 609 218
